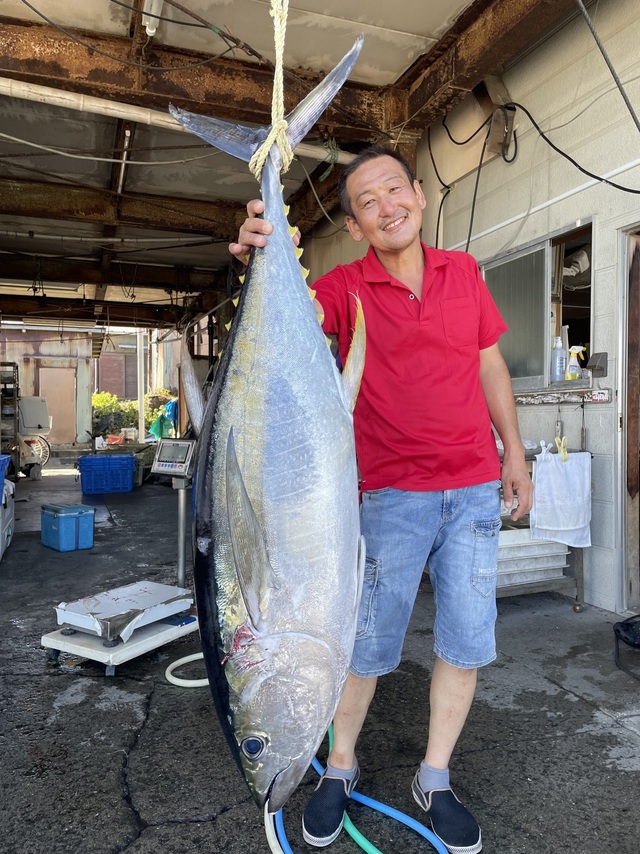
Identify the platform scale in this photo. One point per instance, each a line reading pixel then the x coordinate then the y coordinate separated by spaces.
pixel 117 625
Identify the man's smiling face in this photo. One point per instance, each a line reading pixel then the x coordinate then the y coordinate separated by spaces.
pixel 387 207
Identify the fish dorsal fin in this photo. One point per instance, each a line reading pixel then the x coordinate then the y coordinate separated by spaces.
pixel 354 364
pixel 256 577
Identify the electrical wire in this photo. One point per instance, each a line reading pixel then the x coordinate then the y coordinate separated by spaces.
pixel 469 138
pixel 475 191
pixel 161 18
pixel 232 43
pixel 322 208
pixel 94 49
pixel 605 55
pixel 568 157
pixel 59 151
pixel 445 186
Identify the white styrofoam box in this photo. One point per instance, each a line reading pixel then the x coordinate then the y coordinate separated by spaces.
pixel 522 560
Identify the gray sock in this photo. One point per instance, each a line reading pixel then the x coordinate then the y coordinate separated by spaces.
pixel 432 778
pixel 347 775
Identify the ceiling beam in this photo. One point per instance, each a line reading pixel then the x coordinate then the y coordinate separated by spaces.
pixel 21 268
pixel 70 310
pixel 229 89
pixel 219 220
pixel 500 31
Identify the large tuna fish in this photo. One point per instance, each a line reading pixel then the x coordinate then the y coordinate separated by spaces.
pixel 278 558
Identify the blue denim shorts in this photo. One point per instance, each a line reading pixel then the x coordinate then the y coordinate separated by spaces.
pixel 455 532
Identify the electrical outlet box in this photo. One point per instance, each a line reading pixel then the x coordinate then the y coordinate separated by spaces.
pixel 501 130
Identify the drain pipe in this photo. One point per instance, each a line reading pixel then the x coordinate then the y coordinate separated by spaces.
pixel 126 112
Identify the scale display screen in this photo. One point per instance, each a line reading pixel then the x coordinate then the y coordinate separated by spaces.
pixel 173 452
pixel 173 457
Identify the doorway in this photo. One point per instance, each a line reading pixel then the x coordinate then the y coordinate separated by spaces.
pixel 632 494
pixel 58 387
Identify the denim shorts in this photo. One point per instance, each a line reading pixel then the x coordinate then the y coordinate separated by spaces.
pixel 455 532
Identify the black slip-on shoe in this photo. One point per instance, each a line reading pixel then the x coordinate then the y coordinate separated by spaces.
pixel 450 820
pixel 324 815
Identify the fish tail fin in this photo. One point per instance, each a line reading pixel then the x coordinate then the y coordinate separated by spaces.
pixel 242 142
pixel 354 363
pixel 237 140
pixel 306 114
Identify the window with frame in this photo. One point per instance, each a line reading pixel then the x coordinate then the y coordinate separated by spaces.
pixel 543 291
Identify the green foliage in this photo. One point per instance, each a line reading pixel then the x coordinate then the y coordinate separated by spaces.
pixel 110 414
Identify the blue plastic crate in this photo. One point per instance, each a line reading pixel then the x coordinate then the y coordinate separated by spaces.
pixel 66 527
pixel 102 473
pixel 5 459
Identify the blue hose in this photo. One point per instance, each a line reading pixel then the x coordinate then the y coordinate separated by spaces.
pixel 368 802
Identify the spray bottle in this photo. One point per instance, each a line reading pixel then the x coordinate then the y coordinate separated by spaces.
pixel 574 371
pixel 558 361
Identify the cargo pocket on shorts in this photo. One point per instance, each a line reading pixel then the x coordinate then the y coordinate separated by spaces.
pixel 366 612
pixel 485 559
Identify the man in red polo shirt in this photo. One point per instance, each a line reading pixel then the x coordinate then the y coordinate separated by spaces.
pixel 434 382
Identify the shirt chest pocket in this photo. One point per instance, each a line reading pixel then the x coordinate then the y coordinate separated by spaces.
pixel 460 321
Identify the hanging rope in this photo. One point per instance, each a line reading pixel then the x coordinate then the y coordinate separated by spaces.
pixel 277 134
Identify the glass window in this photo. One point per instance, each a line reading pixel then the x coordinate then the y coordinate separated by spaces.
pixel 542 292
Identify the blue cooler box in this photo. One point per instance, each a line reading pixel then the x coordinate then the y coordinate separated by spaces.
pixel 66 527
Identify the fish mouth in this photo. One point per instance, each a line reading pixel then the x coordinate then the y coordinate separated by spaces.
pixel 269 807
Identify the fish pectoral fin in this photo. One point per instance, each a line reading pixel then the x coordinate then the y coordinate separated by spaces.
pixel 191 387
pixel 255 574
pixel 354 363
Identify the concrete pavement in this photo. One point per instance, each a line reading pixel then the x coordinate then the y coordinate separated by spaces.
pixel 93 764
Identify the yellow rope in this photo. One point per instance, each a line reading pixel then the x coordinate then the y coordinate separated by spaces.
pixel 277 134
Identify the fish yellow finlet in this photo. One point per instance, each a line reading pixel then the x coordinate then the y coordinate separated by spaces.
pixel 299 252
pixel 312 293
pixel 286 210
pixel 235 302
pixel 227 326
pixel 241 279
pixel 305 273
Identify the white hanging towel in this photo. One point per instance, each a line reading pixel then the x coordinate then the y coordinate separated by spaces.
pixel 561 509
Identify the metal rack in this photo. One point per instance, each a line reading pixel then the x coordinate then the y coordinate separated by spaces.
pixel 9 401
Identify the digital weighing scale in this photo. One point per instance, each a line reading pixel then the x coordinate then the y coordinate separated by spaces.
pixel 117 625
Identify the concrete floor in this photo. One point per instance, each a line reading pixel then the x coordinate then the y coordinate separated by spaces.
pixel 94 764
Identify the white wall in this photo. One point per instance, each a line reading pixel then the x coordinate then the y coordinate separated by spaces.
pixel 568 89
pixel 33 349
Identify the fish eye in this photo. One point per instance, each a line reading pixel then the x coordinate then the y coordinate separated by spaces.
pixel 253 746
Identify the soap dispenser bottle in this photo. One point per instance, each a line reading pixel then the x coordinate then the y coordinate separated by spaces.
pixel 558 360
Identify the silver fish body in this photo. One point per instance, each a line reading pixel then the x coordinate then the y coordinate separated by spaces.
pixel 279 557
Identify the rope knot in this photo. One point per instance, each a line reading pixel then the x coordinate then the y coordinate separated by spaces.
pixel 278 133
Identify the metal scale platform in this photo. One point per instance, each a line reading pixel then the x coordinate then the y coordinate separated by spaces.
pixel 117 625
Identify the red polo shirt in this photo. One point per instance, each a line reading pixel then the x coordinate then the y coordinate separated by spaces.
pixel 421 420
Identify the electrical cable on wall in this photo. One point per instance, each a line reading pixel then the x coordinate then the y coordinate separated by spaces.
pixel 475 191
pixel 568 157
pixel 605 55
pixel 445 187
